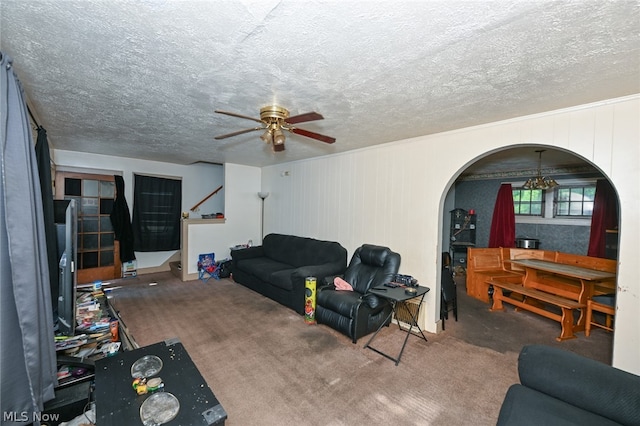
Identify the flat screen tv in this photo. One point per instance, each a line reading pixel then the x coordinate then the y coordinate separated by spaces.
pixel 67 244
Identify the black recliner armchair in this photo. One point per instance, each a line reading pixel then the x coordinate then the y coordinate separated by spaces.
pixel 356 313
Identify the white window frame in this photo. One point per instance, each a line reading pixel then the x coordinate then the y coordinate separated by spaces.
pixel 547 215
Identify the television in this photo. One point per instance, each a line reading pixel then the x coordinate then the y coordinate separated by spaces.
pixel 67 233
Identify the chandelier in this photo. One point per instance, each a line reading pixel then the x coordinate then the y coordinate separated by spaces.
pixel 540 182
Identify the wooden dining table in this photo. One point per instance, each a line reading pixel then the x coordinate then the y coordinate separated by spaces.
pixel 585 277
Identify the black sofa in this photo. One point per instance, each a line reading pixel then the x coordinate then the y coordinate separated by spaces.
pixel 558 387
pixel 278 268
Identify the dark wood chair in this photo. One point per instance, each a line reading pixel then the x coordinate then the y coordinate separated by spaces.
pixel 448 290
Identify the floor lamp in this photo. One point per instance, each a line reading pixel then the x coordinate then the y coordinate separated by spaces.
pixel 262 195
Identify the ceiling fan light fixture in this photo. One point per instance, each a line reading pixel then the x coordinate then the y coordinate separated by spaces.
pixel 278 137
pixel 540 182
pixel 267 137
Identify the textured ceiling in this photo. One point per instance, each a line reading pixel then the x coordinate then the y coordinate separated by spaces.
pixel 142 78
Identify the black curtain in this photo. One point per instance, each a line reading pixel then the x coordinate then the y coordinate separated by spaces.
pixel 121 222
pixel 156 213
pixel 43 157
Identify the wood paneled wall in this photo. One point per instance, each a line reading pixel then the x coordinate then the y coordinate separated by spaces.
pixel 393 194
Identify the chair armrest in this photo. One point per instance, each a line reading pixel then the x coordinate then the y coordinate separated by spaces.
pixel 582 382
pixel 327 283
pixel 318 271
pixel 247 253
pixel 373 301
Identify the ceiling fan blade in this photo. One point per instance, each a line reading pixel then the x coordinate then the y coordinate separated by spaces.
pixel 313 135
pixel 309 116
pixel 233 114
pixel 239 132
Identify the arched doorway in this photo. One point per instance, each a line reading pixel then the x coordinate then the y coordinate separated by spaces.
pixel 475 188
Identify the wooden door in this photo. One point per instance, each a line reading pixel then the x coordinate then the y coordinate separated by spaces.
pixel 98 254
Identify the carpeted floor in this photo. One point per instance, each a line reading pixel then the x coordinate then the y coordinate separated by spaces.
pixel 267 367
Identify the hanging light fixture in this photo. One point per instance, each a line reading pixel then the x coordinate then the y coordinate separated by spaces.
pixel 278 140
pixel 278 137
pixel 274 135
pixel 540 182
pixel 267 137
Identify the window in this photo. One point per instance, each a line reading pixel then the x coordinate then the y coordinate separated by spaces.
pixel 528 202
pixel 156 213
pixel 570 203
pixel 575 201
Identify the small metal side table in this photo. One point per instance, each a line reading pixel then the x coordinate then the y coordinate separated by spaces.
pixel 398 297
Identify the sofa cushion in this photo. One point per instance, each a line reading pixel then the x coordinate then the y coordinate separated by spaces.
pixel 282 279
pixel 523 406
pixel 262 267
pixel 301 251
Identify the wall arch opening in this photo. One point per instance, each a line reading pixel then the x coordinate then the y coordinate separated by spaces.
pixel 475 185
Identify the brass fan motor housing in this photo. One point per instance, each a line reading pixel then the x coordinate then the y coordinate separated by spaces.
pixel 272 113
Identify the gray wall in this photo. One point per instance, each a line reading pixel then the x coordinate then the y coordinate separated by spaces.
pixel 564 238
pixel 480 195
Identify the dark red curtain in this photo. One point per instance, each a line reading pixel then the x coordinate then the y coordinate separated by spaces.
pixel 605 216
pixel 503 224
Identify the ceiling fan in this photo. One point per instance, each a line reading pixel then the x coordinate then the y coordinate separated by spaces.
pixel 273 120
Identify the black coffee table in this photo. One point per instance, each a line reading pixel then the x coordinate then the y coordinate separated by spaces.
pixel 398 297
pixel 118 404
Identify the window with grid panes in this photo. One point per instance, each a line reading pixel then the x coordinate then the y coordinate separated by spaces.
pixel 575 201
pixel 528 202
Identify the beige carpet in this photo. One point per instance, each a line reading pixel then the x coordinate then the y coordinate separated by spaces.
pixel 266 366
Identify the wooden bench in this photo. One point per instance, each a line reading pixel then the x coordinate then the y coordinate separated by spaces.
pixel 536 300
pixel 485 264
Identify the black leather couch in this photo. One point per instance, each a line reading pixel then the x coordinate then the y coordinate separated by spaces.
pixel 278 268
pixel 558 387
